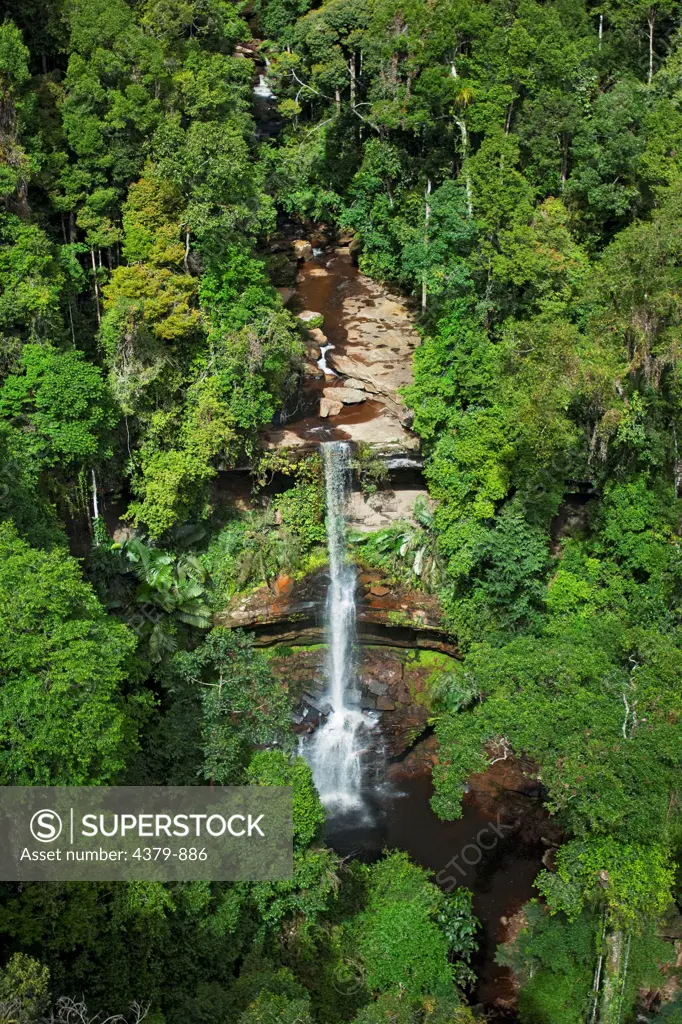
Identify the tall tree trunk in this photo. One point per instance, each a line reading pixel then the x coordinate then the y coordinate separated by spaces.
pixel 615 976
pixel 465 148
pixel 601 28
pixel 677 466
pixel 565 149
pixel 94 278
pixel 465 152
pixel 596 980
pixel 652 22
pixel 427 215
pixel 186 259
pixel 73 332
pixel 95 503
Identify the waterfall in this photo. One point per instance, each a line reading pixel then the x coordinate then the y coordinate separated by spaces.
pixel 322 361
pixel 263 89
pixel 335 749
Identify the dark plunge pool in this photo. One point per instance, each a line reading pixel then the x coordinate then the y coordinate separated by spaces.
pixel 491 855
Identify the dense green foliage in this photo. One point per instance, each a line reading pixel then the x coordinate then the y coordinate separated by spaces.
pixel 65 720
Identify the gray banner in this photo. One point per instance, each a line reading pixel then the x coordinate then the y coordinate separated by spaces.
pixel 146 833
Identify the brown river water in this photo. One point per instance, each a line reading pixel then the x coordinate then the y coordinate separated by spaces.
pixel 372 339
pixel 483 851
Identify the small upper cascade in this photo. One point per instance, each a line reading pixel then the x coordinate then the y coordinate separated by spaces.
pixel 322 361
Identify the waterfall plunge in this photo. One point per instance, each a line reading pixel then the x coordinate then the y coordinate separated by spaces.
pixel 334 751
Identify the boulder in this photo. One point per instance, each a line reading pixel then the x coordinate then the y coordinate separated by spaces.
pixel 311 319
pixel 357 385
pixel 317 336
pixel 349 396
pixel 303 250
pixel 123 534
pixel 286 294
pixel 312 699
pixel 329 408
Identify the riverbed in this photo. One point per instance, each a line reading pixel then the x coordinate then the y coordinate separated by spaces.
pixel 368 339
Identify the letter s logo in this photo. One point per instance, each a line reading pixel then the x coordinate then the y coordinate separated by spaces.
pixel 46 826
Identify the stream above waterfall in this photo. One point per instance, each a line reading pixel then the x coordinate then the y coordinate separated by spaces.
pixel 367 339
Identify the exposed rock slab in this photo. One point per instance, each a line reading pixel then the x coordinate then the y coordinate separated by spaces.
pixel 382 431
pixel 359 385
pixel 380 341
pixel 377 511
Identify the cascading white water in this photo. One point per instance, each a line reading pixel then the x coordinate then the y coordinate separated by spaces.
pixel 263 89
pixel 335 748
pixel 322 361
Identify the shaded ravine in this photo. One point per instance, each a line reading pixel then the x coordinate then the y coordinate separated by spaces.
pixel 501 877
pixel 372 807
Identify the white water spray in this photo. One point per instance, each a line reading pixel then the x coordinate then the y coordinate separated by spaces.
pixel 263 89
pixel 334 752
pixel 322 361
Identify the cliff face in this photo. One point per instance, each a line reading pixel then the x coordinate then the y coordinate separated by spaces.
pixel 402 648
pixel 393 683
pixel 292 611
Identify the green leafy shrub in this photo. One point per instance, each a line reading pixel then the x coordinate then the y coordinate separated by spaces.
pixel 408 929
pixel 371 469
